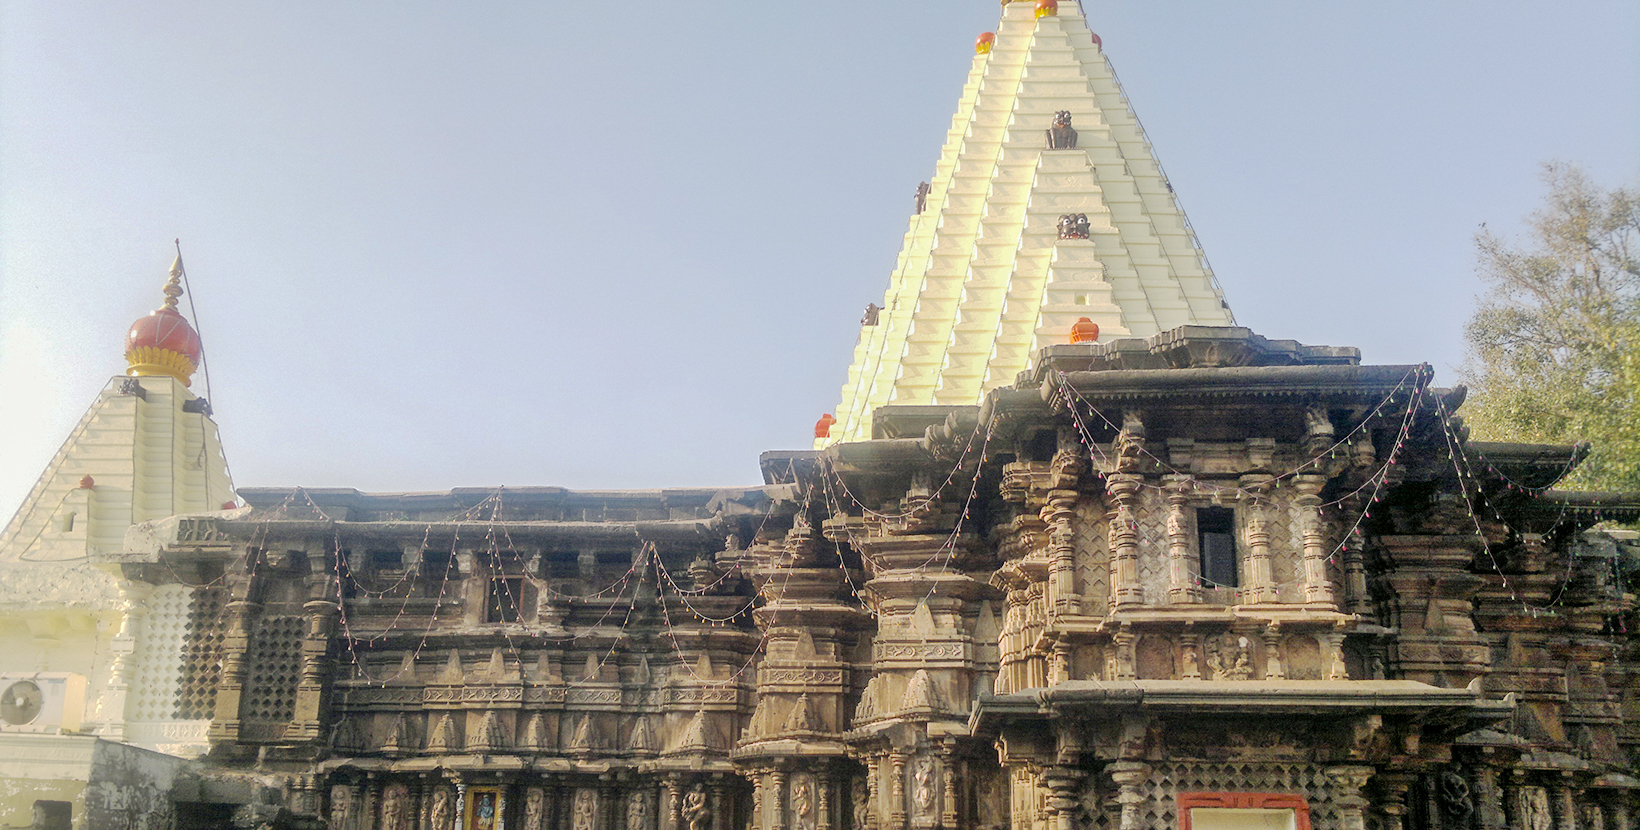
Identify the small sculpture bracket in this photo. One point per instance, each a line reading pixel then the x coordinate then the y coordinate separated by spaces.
pixel 1061 136
pixel 1073 226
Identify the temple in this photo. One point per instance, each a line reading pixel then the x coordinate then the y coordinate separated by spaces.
pixel 1076 553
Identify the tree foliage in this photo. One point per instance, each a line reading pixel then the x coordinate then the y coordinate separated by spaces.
pixel 1554 346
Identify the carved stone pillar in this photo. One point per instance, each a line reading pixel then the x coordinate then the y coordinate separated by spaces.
pixel 1189 654
pixel 1182 585
pixel 1062 597
pixel 896 790
pixel 948 804
pixel 1352 805
pixel 1273 669
pixel 721 812
pixel 873 776
pixel 225 725
pixel 1317 583
pixel 1566 817
pixel 777 800
pixel 111 709
pixel 1337 668
pixel 1260 572
pixel 757 799
pixel 1124 540
pixel 1130 777
pixel 674 803
pixel 1394 802
pixel 1123 641
pixel 307 722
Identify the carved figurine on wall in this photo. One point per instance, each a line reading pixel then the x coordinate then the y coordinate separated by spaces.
pixel 535 809
pixel 803 802
pixel 1229 661
pixel 585 814
pixel 923 792
pixel 637 811
pixel 1061 136
pixel 1074 226
pixel 862 804
pixel 694 808
pixel 873 311
pixel 443 809
pixel 922 196
pixel 341 807
pixel 1536 808
pixel 395 807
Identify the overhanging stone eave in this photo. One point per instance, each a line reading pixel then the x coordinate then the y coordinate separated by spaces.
pixel 1351 383
pixel 1296 698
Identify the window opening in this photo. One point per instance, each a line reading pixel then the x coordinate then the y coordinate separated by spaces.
pixel 505 596
pixel 1216 533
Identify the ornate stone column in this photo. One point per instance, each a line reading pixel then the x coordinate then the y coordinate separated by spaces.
pixel 1260 573
pixel 873 806
pixel 1129 777
pixel 321 612
pixel 757 799
pixel 1273 669
pixel 241 613
pixel 1182 585
pixel 896 790
pixel 1565 807
pixel 948 804
pixel 1317 584
pixel 1124 540
pixel 674 802
pixel 720 807
pixel 1352 805
pixel 1394 803
pixel 1062 595
pixel 777 800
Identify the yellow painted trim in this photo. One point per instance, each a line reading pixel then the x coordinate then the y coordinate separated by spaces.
pixel 152 361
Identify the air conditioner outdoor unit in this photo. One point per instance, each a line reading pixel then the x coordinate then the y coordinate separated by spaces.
pixel 41 702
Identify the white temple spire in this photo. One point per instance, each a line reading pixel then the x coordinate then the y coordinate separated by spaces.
pixel 995 266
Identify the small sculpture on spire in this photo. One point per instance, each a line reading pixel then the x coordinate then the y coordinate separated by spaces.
pixel 1073 226
pixel 922 196
pixel 870 317
pixel 1061 136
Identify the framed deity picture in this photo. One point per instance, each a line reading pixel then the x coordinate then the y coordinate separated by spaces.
pixel 483 808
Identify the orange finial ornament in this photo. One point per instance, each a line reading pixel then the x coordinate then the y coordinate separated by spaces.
pixel 1047 8
pixel 1084 331
pixel 822 427
pixel 163 344
pixel 983 43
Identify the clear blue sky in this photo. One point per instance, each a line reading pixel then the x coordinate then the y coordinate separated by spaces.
pixel 627 244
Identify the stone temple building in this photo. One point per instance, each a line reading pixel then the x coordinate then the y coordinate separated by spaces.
pixel 1075 552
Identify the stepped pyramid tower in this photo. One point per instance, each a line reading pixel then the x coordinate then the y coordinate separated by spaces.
pixel 146 450
pixel 987 274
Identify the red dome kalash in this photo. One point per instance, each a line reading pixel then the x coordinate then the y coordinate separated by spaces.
pixel 163 343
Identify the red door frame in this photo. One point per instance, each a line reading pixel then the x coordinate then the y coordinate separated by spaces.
pixel 1244 801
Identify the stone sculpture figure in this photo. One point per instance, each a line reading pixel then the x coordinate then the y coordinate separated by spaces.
pixel 922 196
pixel 585 814
pixel 1229 660
pixel 341 807
pixel 803 802
pixel 637 811
pixel 923 793
pixel 873 311
pixel 1455 799
pixel 395 805
pixel 1535 807
pixel 694 808
pixel 862 804
pixel 535 809
pixel 1061 136
pixel 443 809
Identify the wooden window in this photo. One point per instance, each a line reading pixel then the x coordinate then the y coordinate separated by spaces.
pixel 1216 536
pixel 1243 811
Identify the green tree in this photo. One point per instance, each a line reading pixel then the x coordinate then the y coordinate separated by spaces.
pixel 1554 345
